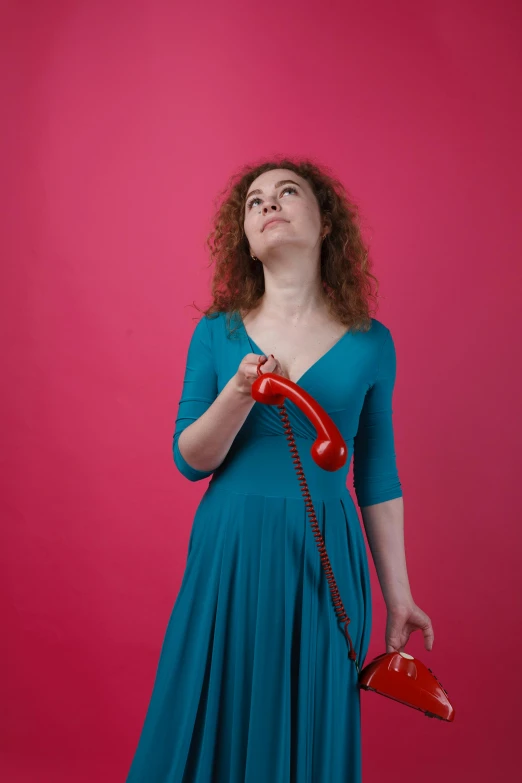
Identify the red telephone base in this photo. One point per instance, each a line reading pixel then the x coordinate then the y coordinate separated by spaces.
pixel 403 678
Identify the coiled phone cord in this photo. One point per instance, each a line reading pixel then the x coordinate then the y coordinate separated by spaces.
pixel 325 560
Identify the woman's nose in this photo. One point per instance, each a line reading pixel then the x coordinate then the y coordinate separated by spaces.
pixel 267 207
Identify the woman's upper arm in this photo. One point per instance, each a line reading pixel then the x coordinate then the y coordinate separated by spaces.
pixel 375 475
pixel 198 393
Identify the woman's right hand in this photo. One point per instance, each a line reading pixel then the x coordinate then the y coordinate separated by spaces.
pixel 247 371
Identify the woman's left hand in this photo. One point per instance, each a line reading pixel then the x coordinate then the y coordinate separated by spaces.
pixel 401 622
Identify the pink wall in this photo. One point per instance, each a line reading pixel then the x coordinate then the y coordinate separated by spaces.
pixel 122 122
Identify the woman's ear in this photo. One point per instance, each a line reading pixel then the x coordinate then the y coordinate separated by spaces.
pixel 327 227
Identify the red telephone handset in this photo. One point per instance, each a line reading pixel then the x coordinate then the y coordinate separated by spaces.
pixel 329 449
pixel 396 675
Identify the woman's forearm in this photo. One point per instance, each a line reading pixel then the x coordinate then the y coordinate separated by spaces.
pixel 205 443
pixel 384 525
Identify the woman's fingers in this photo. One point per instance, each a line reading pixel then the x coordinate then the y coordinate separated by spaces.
pixel 251 365
pixel 272 365
pixel 280 371
pixel 267 364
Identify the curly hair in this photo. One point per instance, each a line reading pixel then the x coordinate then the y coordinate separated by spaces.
pixel 238 282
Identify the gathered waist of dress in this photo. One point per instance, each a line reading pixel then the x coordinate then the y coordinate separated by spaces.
pixel 264 465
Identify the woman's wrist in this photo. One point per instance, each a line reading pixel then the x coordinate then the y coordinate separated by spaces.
pixel 399 601
pixel 242 395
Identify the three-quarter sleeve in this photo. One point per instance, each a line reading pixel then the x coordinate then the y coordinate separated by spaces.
pixel 198 393
pixel 375 476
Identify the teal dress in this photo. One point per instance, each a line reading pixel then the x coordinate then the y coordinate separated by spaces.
pixel 254 683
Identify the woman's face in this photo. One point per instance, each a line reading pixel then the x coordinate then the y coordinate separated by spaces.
pixel 283 196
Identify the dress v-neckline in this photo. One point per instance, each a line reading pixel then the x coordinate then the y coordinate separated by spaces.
pixel 312 366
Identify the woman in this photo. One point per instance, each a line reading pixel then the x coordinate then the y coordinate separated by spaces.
pixel 254 682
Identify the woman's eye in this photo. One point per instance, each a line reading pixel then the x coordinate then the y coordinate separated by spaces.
pixel 250 203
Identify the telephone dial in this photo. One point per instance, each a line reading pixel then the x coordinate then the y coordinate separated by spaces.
pixel 396 675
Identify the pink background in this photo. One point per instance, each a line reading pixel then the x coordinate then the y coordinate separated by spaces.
pixel 122 122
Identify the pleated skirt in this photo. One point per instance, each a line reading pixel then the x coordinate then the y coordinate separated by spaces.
pixel 253 682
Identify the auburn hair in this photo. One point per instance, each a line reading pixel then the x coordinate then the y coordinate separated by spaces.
pixel 238 282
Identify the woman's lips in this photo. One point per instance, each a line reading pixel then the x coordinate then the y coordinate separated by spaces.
pixel 273 222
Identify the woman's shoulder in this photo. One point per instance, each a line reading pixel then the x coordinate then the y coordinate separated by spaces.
pixel 377 342
pixel 216 320
pixel 377 332
pixel 210 321
pixel 219 324
pixel 378 326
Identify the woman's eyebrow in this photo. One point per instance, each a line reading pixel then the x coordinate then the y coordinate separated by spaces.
pixel 277 185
